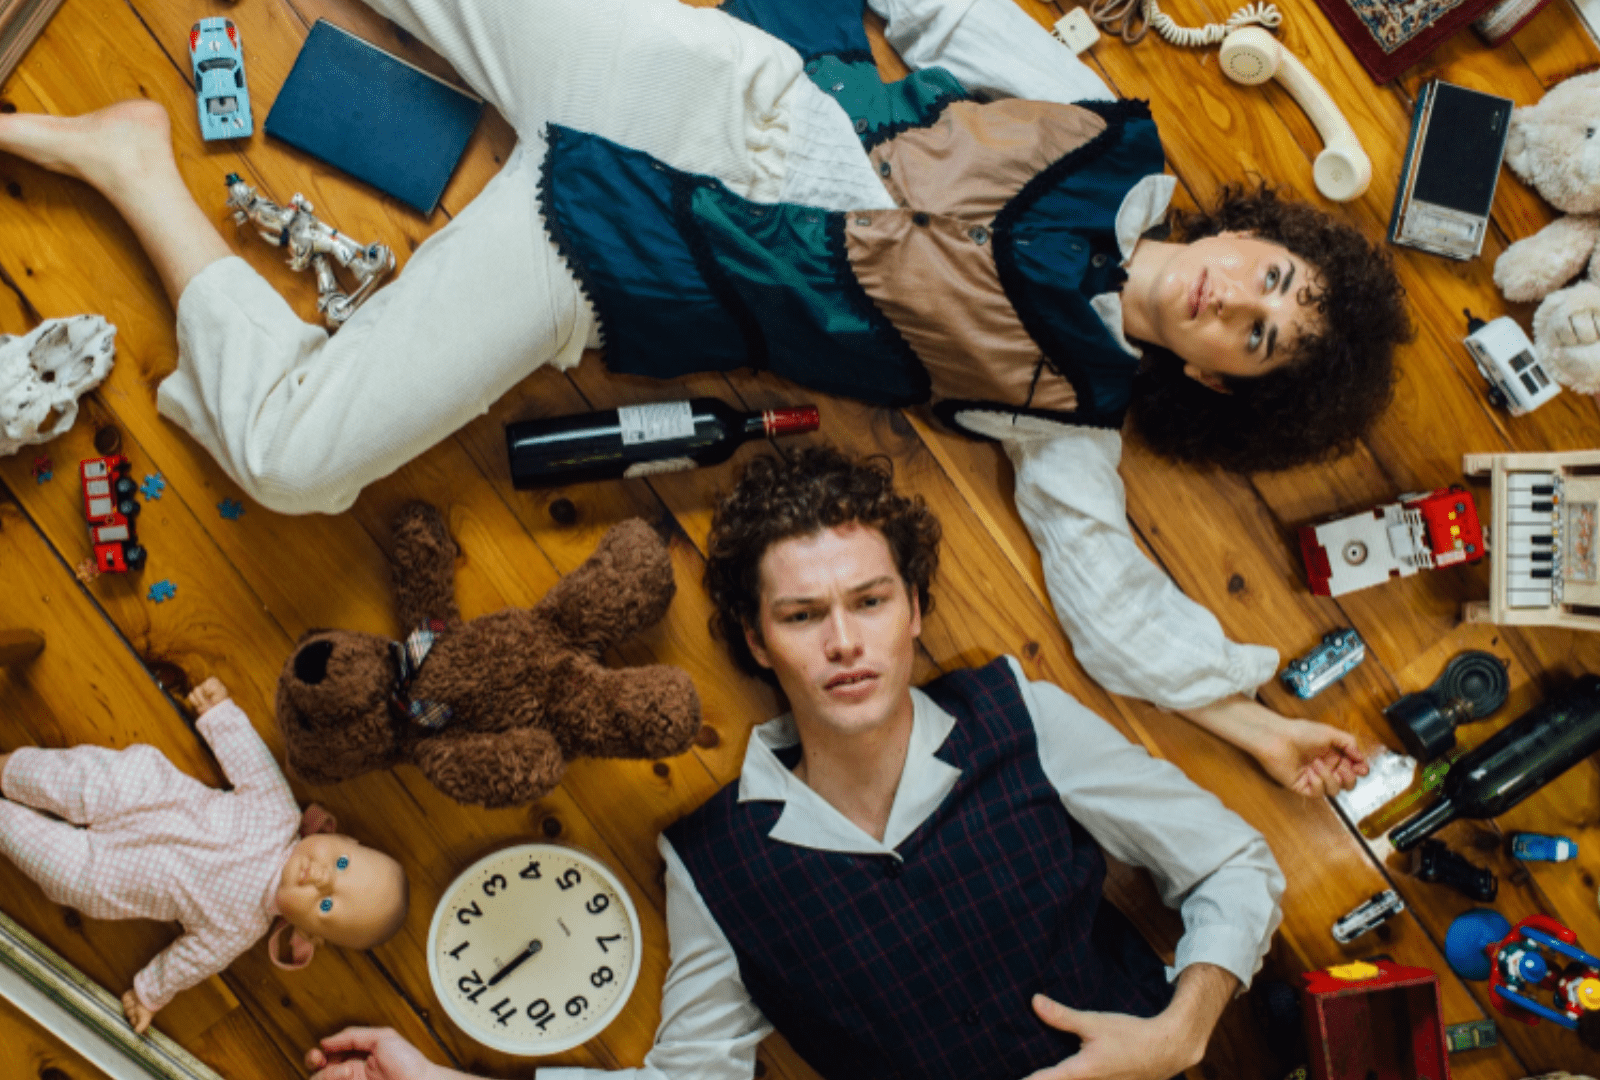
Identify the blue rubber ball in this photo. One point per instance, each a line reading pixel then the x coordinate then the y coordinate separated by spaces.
pixel 1468 937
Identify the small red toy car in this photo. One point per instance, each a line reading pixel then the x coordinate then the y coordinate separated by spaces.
pixel 1420 532
pixel 110 507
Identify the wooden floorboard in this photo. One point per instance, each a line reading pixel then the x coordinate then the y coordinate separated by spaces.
pixel 248 589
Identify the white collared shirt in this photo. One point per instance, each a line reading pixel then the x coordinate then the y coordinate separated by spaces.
pixel 1205 861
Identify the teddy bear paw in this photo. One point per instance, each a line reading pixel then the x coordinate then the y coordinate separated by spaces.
pixel 1566 328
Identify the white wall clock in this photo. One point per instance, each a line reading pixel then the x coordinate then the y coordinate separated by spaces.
pixel 534 949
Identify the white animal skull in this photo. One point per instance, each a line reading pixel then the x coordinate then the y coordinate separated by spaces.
pixel 43 372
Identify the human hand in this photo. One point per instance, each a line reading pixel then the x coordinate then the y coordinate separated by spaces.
pixel 1311 759
pixel 1120 1047
pixel 207 696
pixel 137 1014
pixel 359 1053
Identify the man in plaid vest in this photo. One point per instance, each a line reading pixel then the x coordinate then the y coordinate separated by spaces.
pixel 906 882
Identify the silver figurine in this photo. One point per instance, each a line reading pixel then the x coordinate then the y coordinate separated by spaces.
pixel 311 243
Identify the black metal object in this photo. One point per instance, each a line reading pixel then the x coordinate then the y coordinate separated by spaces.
pixel 1473 685
pixel 1438 864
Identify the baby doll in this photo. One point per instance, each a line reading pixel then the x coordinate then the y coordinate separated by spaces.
pixel 142 840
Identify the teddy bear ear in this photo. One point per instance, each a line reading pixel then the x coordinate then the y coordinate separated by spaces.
pixel 1517 141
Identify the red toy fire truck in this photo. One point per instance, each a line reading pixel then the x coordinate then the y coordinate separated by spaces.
pixel 1422 531
pixel 110 507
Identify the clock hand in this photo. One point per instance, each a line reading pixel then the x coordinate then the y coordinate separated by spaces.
pixel 517 961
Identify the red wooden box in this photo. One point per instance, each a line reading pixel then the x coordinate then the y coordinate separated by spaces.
pixel 1384 1027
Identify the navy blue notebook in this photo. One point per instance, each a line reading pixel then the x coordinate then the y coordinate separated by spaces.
pixel 375 116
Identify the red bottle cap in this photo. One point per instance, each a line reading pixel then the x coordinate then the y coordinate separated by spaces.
pixel 795 421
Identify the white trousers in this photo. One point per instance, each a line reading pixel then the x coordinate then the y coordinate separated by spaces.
pixel 303 421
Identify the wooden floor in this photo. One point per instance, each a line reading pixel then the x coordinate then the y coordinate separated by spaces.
pixel 247 589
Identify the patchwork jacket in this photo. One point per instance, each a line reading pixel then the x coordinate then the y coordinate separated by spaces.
pixel 974 292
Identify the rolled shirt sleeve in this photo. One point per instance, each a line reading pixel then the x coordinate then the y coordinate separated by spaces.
pixel 709 1026
pixel 1131 628
pixel 1206 860
pixel 992 47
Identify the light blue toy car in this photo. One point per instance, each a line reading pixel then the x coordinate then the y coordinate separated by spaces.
pixel 217 59
pixel 1339 654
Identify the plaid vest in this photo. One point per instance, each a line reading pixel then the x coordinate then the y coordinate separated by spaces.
pixel 924 967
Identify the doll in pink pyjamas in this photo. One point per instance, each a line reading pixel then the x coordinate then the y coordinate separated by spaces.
pixel 125 835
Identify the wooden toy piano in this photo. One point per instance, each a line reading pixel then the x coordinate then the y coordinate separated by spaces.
pixel 1542 543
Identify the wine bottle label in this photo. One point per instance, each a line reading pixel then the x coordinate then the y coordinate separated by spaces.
pixel 665 465
pixel 655 423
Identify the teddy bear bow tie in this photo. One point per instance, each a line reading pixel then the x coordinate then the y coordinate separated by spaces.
pixel 408 657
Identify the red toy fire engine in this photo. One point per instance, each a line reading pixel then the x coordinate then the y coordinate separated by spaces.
pixel 1420 532
pixel 110 507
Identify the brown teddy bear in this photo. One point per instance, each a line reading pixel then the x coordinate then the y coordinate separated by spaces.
pixel 490 709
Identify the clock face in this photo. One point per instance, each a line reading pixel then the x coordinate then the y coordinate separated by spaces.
pixel 534 949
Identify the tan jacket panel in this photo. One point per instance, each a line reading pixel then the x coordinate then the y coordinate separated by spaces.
pixel 976 156
pixel 938 284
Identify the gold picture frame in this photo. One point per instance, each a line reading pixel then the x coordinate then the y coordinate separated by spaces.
pixel 42 984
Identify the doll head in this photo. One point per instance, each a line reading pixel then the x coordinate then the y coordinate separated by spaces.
pixel 333 889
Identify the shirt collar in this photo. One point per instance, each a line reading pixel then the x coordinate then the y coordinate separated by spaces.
pixel 1143 207
pixel 809 820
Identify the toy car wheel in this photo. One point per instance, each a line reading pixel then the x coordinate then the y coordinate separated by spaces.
pixel 1355 553
pixel 128 508
pixel 125 487
pixel 1496 397
pixel 134 555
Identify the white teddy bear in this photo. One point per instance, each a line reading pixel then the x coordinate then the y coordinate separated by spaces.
pixel 1555 147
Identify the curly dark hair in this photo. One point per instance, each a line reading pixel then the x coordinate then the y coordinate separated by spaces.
pixel 777 497
pixel 1336 381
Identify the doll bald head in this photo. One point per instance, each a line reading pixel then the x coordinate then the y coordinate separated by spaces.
pixel 334 889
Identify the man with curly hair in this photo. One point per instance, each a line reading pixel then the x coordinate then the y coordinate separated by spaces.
pixel 907 882
pixel 737 187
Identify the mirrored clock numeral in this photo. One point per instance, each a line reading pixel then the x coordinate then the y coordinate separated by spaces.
pixel 466 983
pixel 577 1004
pixel 541 1013
pixel 465 915
pixel 530 872
pixel 503 1011
pixel 493 885
pixel 601 941
pixel 568 879
pixel 455 953
pixel 598 903
pixel 600 976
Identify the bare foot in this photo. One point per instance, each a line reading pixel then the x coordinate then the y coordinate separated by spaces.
pixel 121 143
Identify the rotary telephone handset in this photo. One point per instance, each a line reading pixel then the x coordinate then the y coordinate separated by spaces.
pixel 1252 56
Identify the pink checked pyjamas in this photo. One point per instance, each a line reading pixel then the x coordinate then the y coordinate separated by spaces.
pixel 147 841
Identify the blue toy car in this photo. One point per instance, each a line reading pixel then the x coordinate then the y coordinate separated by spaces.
pixel 217 59
pixel 1537 847
pixel 1339 654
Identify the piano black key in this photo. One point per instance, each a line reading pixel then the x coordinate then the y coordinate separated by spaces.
pixel 1541 507
pixel 1540 573
pixel 1542 489
pixel 1541 556
pixel 1545 538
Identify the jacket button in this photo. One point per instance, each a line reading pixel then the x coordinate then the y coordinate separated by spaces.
pixel 861 127
pixel 836 87
pixel 919 218
pixel 894 868
pixel 883 168
pixel 971 1016
pixel 863 221
pixel 811 68
pixel 1098 260
pixel 979 234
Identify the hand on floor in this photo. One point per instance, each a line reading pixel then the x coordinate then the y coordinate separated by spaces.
pixel 1311 759
pixel 137 1014
pixel 207 696
pixel 370 1054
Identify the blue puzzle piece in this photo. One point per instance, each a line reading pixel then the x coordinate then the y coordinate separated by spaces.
pixel 230 509
pixel 162 590
pixel 153 486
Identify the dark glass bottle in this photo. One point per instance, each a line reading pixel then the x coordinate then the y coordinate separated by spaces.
pixel 1514 762
pixel 641 440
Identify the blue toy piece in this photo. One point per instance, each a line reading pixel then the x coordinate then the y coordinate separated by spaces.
pixel 1519 968
pixel 161 591
pixel 230 509
pixel 154 484
pixel 1340 653
pixel 1537 847
pixel 216 59
pixel 1468 938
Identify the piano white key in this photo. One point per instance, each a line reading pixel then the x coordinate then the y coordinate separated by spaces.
pixel 1528 598
pixel 1523 482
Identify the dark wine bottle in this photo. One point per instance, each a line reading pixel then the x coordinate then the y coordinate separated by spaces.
pixel 640 440
pixel 1514 762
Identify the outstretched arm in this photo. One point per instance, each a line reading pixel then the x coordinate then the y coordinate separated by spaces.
pixel 992 47
pixel 1131 628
